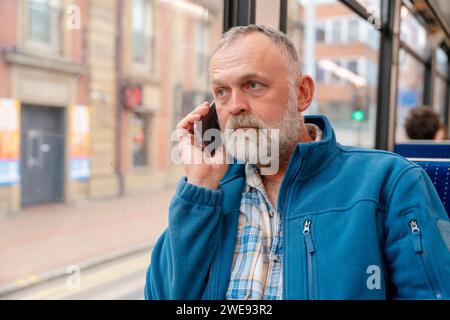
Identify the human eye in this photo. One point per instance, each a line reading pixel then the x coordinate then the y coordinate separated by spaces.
pixel 221 92
pixel 254 85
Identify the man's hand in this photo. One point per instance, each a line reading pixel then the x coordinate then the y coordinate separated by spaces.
pixel 211 170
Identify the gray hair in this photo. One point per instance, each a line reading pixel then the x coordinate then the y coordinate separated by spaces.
pixel 293 65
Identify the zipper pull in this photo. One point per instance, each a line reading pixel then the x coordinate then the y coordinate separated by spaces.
pixel 417 236
pixel 307 226
pixel 414 226
pixel 308 237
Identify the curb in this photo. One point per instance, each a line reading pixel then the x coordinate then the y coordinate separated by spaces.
pixel 61 272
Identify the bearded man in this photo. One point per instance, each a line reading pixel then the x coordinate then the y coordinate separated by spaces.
pixel 332 222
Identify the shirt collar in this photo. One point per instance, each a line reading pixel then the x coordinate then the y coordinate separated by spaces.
pixel 252 175
pixel 314 131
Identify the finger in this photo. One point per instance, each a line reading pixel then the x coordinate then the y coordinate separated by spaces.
pixel 182 134
pixel 202 109
pixel 187 121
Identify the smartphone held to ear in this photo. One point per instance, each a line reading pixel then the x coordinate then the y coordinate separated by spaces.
pixel 209 130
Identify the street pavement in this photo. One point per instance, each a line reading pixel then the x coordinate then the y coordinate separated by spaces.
pixel 121 279
pixel 49 241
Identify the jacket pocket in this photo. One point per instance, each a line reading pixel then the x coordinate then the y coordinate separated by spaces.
pixel 418 247
pixel 310 250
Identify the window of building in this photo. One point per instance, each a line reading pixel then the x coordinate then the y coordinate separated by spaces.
pixel 336 31
pixel 353 30
pixel 320 74
pixel 43 24
pixel 143 41
pixel 352 66
pixel 320 32
pixel 139 136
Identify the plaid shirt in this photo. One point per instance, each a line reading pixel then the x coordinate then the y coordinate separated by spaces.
pixel 257 271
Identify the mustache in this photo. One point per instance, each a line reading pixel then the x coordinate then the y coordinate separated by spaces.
pixel 245 121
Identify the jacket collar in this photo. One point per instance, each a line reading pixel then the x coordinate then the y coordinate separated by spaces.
pixel 312 156
pixel 309 156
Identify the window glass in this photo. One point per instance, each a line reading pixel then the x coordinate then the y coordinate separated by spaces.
pixel 320 74
pixel 353 66
pixel 139 136
pixel 90 92
pixel 139 16
pixel 413 33
pixel 143 39
pixel 320 32
pixel 441 62
pixel 439 96
pixel 409 91
pixel 353 30
pixel 336 31
pixel 43 21
pixel 344 66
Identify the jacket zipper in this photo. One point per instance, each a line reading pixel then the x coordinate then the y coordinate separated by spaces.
pixel 310 249
pixel 418 248
pixel 283 226
pixel 210 283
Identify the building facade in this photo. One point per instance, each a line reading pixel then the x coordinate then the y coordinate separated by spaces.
pixel 90 91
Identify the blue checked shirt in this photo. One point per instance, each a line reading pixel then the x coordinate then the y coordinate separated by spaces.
pixel 257 272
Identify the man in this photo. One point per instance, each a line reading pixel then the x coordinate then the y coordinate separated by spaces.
pixel 334 222
pixel 423 123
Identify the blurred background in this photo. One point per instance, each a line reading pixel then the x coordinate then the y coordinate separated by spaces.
pixel 91 90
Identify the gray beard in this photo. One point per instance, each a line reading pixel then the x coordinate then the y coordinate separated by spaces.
pixel 289 126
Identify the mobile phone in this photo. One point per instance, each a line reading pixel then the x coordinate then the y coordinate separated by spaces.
pixel 210 140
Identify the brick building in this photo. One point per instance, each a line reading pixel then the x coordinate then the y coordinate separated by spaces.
pixel 91 90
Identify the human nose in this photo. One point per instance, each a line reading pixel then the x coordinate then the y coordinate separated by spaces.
pixel 239 103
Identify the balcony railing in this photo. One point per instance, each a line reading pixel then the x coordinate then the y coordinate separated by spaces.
pixel 144 49
pixel 43 25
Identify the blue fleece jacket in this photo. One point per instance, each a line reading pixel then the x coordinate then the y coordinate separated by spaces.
pixel 378 229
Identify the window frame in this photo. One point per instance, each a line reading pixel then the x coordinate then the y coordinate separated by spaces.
pixel 147 62
pixel 55 32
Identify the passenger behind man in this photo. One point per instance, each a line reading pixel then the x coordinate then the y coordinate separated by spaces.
pixel 423 123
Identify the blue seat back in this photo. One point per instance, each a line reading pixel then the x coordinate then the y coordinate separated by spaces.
pixel 439 173
pixel 424 149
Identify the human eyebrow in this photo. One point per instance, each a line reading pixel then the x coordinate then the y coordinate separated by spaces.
pixel 252 76
pixel 243 78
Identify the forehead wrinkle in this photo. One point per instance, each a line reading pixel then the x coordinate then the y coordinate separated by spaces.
pixel 242 53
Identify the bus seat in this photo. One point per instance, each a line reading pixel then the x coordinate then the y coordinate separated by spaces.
pixel 439 172
pixel 424 149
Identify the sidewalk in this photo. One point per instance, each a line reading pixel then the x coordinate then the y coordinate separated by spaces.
pixel 43 241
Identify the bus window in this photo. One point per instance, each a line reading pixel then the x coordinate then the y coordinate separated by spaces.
pixel 340 50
